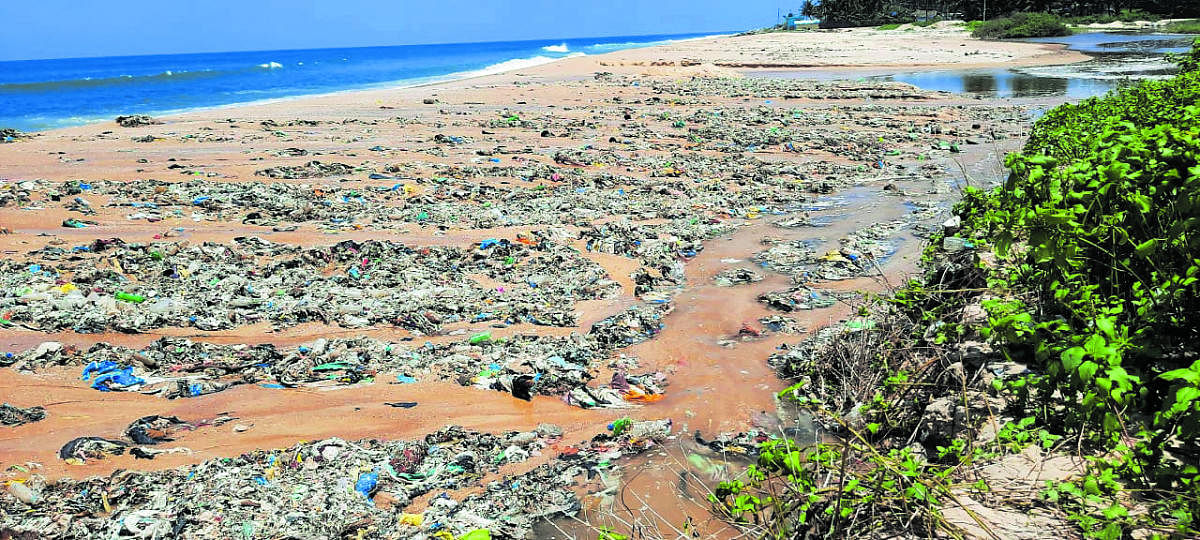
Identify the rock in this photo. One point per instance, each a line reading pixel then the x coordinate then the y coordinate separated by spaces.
pixel 429 101
pixel 973 314
pixel 1003 522
pixel 241 428
pixel 973 353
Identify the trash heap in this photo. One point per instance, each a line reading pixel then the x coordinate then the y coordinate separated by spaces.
pixel 12 415
pixel 736 276
pixel 334 489
pixel 136 120
pixel 312 169
pixel 8 135
pixel 861 253
pixel 669 184
pixel 523 365
pixel 111 285
pixel 802 298
pixel 142 438
pixel 762 87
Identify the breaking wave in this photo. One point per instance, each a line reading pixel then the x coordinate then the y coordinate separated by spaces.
pixel 516 63
pixel 560 48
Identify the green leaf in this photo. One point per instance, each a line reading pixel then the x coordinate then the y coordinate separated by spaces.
pixel 793 462
pixel 1145 249
pixel 1071 358
pixel 1087 371
pixel 1111 425
pixel 1190 375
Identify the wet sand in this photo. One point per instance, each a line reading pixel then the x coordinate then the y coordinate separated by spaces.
pixel 714 387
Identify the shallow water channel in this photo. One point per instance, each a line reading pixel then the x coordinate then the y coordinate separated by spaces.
pixel 1117 57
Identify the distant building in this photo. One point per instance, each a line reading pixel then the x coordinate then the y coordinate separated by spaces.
pixel 792 20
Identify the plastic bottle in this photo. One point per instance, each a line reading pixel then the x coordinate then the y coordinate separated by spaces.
pixel 22 493
pixel 128 297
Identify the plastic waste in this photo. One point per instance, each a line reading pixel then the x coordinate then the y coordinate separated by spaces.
pixel 129 297
pixel 22 492
pixel 366 483
pixel 954 244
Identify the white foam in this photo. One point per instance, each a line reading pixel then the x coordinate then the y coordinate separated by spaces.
pixel 560 48
pixel 509 65
pixel 271 65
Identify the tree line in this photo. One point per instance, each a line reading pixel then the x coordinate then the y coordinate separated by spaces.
pixel 866 12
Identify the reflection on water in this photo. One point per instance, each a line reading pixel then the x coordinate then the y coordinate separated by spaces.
pixel 1004 83
pixel 1122 42
pixel 1118 57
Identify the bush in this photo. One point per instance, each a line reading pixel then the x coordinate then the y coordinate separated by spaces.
pixel 1096 231
pixel 891 26
pixel 1184 27
pixel 1126 15
pixel 1188 62
pixel 1022 25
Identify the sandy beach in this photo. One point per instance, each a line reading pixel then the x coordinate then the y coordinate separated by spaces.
pixel 630 180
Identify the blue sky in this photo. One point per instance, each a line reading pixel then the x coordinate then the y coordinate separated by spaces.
pixel 77 28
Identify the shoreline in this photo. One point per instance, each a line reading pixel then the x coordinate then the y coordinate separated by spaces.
pixel 1055 54
pixel 397 84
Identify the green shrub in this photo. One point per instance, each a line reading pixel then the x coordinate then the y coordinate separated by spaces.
pixel 1126 15
pixel 1188 62
pixel 1184 27
pixel 1098 237
pixel 972 25
pixel 891 26
pixel 927 23
pixel 1022 25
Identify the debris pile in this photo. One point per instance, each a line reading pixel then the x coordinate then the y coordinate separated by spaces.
pixel 11 415
pixel 334 488
pixel 136 120
pixel 111 285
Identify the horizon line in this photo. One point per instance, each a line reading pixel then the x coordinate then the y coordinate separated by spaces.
pixel 714 33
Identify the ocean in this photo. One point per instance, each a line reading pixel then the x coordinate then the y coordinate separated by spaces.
pixel 37 95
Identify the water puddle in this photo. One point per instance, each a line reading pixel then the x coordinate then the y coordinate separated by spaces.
pixel 1003 83
pixel 1117 57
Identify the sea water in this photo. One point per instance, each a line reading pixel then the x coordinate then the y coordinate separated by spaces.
pixel 45 94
